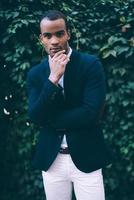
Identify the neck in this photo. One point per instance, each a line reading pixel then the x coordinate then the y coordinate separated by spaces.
pixel 68 48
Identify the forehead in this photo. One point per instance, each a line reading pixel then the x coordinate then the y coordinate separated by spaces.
pixel 52 26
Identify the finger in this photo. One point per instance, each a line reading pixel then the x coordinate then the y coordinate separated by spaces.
pixel 59 58
pixel 62 56
pixel 64 61
pixel 59 53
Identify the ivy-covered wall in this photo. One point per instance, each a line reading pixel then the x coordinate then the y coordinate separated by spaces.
pixel 104 28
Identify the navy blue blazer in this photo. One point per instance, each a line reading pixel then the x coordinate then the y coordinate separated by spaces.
pixel 75 114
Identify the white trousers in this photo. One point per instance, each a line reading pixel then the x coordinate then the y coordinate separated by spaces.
pixel 63 175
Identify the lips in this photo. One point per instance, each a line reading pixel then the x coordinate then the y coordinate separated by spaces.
pixel 55 50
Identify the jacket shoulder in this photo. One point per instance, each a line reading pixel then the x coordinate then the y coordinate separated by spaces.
pixel 38 69
pixel 88 58
pixel 88 62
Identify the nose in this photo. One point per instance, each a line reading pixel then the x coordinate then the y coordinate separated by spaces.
pixel 54 40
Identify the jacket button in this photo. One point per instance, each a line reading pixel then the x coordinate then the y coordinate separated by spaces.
pixel 60 136
pixel 61 129
pixel 53 95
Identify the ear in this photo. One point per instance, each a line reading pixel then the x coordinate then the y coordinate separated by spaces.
pixel 41 39
pixel 69 34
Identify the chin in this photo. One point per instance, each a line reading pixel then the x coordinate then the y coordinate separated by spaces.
pixel 51 55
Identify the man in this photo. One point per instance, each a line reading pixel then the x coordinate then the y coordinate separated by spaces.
pixel 66 98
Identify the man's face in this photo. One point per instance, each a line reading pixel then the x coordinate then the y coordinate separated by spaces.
pixel 54 36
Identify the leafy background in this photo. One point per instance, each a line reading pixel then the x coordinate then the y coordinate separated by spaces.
pixel 104 28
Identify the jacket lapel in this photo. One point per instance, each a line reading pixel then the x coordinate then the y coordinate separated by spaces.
pixel 69 75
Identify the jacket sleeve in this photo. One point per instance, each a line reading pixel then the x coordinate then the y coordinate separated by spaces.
pixel 42 100
pixel 87 114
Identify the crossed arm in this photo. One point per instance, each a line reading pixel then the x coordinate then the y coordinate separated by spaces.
pixel 44 104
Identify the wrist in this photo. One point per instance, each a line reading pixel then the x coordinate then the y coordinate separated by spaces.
pixel 54 79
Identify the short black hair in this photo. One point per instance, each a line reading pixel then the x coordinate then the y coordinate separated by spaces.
pixel 54 15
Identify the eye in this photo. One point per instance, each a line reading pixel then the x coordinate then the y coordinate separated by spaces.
pixel 60 34
pixel 47 35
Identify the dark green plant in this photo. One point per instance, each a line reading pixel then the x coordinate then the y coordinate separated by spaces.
pixel 104 28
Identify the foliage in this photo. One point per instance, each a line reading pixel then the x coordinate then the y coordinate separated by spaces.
pixel 105 28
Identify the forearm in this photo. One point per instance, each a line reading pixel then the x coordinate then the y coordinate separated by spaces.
pixel 78 118
pixel 43 104
pixel 88 113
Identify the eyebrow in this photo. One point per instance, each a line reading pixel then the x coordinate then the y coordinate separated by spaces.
pixel 47 33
